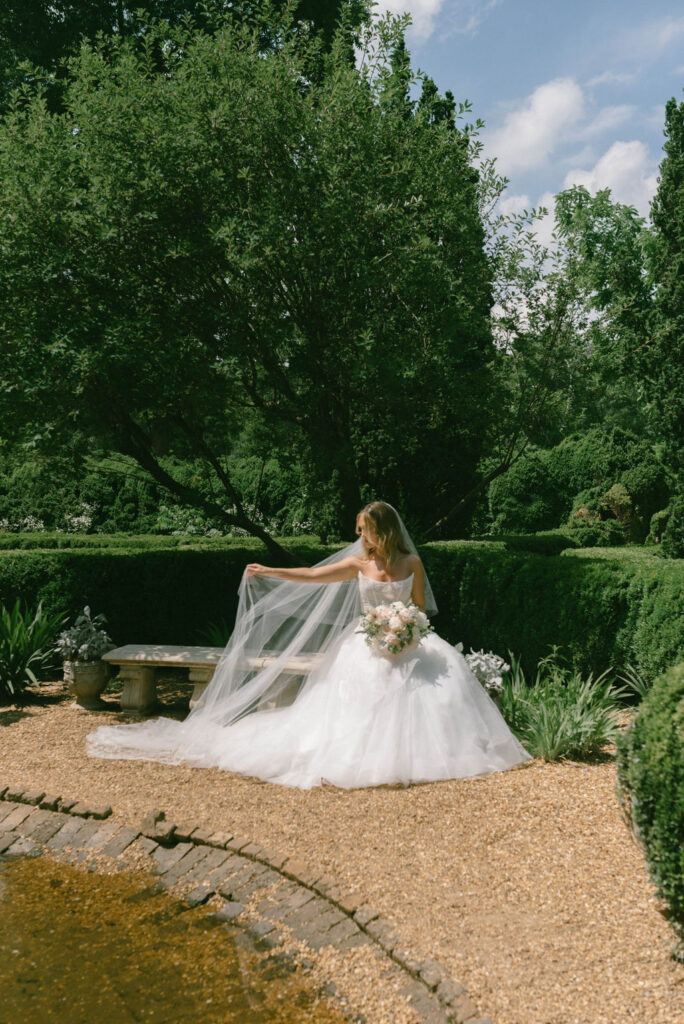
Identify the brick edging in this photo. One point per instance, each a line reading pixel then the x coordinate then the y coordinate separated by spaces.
pixel 170 844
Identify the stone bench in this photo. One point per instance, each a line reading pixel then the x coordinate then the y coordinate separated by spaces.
pixel 138 663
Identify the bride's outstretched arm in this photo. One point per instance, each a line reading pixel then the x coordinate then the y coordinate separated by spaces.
pixel 344 570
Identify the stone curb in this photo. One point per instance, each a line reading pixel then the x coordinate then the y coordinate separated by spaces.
pixel 312 906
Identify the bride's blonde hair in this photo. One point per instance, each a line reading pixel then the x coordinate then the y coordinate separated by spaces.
pixel 387 527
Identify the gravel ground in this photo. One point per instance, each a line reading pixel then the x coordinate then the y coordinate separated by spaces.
pixel 525 884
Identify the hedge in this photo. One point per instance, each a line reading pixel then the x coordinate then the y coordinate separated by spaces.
pixel 47 541
pixel 650 757
pixel 603 607
pixel 603 611
pixel 154 595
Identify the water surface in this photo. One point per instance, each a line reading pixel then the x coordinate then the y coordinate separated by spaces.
pixel 81 947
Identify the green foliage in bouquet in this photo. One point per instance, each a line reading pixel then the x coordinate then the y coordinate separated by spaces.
pixel 651 789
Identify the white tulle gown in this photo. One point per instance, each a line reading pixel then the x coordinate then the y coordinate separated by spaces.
pixel 363 720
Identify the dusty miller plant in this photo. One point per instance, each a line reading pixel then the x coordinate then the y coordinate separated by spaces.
pixel 86 640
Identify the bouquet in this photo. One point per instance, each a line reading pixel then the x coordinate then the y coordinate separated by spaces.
pixel 487 668
pixel 394 628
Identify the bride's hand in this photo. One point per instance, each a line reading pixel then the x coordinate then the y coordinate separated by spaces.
pixel 255 569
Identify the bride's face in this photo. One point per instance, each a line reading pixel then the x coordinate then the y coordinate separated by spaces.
pixel 367 531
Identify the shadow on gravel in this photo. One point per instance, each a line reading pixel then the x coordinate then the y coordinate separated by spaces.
pixel 14 714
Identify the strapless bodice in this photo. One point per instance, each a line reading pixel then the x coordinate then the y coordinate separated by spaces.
pixel 375 592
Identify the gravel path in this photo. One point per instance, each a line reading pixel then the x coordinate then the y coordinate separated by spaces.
pixel 525 884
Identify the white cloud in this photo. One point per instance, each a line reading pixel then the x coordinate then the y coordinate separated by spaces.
pixel 612 78
pixel 585 155
pixel 646 42
pixel 531 133
pixel 514 204
pixel 607 119
pixel 627 169
pixel 423 14
pixel 465 16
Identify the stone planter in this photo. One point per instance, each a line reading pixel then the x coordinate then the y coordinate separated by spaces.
pixel 87 680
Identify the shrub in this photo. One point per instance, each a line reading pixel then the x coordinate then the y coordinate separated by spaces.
pixel 651 788
pixel 592 533
pixel 607 472
pixel 549 542
pixel 647 486
pixel 597 458
pixel 526 498
pixel 657 526
pixel 618 504
pixel 673 535
pixel 26 646
pixel 561 714
pixel 604 518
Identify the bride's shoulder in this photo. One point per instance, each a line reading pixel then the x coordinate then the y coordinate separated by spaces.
pixel 356 562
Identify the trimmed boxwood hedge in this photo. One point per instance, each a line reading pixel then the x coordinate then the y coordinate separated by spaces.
pixel 651 787
pixel 603 609
pixel 45 541
pixel 148 594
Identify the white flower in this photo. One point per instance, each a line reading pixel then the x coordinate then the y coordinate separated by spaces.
pixel 487 668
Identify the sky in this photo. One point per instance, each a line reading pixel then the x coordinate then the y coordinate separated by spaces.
pixel 571 91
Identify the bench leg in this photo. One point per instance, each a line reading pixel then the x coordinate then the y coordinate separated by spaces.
pixel 201 677
pixel 139 689
pixel 287 695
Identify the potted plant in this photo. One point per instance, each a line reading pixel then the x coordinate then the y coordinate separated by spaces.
pixel 81 648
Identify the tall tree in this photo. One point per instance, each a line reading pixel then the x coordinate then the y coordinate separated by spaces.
pixel 604 248
pixel 179 247
pixel 665 353
pixel 43 33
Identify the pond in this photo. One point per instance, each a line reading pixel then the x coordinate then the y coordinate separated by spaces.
pixel 81 947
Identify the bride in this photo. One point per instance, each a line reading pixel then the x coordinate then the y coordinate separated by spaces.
pixel 359 717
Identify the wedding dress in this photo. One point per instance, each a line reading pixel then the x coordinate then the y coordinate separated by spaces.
pixel 360 719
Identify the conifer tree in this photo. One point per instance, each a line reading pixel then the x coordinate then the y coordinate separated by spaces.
pixel 666 348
